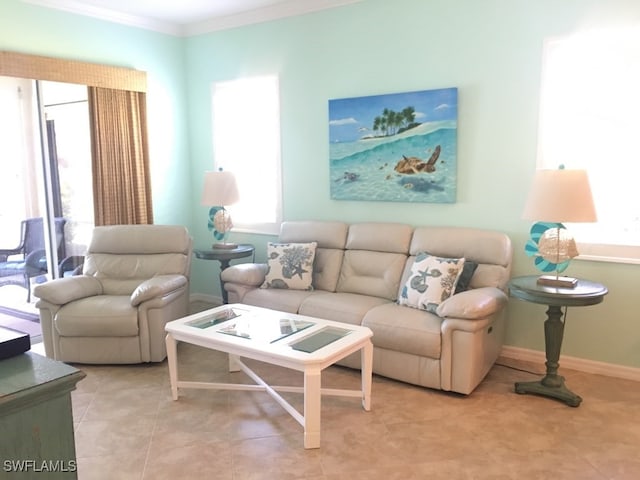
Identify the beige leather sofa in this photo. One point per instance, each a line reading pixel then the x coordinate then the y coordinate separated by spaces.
pixel 359 272
pixel 135 279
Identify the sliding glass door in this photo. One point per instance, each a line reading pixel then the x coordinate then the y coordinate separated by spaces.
pixel 46 202
pixel 69 150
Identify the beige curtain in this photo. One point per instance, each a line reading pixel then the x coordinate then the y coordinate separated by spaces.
pixel 120 153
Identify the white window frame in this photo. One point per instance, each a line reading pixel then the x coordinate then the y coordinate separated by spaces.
pixel 246 141
pixel 589 94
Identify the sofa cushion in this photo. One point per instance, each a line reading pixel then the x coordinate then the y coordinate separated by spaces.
pixel 277 299
pixel 403 329
pixel 290 265
pixel 98 316
pixel 371 273
pixel 432 280
pixel 340 307
pixel 326 268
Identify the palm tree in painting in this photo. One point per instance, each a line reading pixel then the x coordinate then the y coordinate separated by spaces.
pixel 391 122
pixel 408 115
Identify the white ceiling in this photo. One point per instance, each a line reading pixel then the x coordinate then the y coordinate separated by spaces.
pixel 190 17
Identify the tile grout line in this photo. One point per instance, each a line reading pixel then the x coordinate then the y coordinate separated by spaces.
pixel 153 432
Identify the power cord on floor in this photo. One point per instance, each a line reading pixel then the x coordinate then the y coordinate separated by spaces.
pixel 511 367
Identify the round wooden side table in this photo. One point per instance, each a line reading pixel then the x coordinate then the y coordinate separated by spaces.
pixel 224 256
pixel 583 294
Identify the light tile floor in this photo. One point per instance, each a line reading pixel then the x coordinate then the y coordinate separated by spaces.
pixel 127 427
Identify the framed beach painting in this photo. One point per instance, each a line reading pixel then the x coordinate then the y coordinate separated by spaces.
pixel 395 148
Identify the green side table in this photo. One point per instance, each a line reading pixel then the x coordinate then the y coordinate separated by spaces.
pixel 585 293
pixel 224 256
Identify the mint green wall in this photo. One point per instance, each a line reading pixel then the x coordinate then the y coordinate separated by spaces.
pixel 35 30
pixel 490 50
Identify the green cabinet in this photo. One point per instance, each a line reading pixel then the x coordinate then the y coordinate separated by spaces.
pixel 36 421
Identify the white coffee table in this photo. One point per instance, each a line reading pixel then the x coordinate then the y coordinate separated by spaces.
pixel 273 337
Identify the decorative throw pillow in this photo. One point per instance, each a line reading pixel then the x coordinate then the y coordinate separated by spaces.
pixel 468 270
pixel 290 265
pixel 432 280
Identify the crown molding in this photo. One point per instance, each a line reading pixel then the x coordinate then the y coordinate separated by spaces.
pixel 274 12
pixel 265 14
pixel 108 15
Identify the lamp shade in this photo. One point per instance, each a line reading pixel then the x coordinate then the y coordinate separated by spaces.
pixel 560 196
pixel 220 189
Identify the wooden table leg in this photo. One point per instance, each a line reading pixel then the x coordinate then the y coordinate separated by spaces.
pixel 234 366
pixel 552 385
pixel 366 355
pixel 172 361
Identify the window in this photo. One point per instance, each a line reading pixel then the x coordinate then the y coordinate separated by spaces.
pixel 590 118
pixel 246 141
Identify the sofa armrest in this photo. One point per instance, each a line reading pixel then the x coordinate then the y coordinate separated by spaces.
pixel 473 304
pixel 157 287
pixel 250 274
pixel 65 290
pixel 472 335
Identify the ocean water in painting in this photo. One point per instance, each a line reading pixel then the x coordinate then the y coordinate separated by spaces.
pixel 364 170
pixel 395 167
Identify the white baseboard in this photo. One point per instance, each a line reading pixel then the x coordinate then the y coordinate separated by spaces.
pixel 522 354
pixel 573 363
pixel 203 297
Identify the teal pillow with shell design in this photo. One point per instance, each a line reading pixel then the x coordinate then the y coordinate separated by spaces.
pixel 432 280
pixel 290 265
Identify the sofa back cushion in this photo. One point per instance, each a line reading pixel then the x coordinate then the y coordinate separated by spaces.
pixel 123 256
pixel 491 250
pixel 371 273
pixel 380 237
pixel 374 260
pixel 331 238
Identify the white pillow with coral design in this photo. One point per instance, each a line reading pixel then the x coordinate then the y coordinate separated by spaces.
pixel 290 265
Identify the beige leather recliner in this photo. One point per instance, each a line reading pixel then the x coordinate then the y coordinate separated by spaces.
pixel 135 279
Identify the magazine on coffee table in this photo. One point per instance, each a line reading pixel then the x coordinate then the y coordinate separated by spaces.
pixel 264 329
pixel 216 318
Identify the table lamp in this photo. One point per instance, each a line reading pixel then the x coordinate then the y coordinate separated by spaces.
pixel 557 196
pixel 220 190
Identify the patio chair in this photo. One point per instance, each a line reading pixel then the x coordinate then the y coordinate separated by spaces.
pixel 33 258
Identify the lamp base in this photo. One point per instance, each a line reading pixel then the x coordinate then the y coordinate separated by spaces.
pixel 558 282
pixel 224 246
